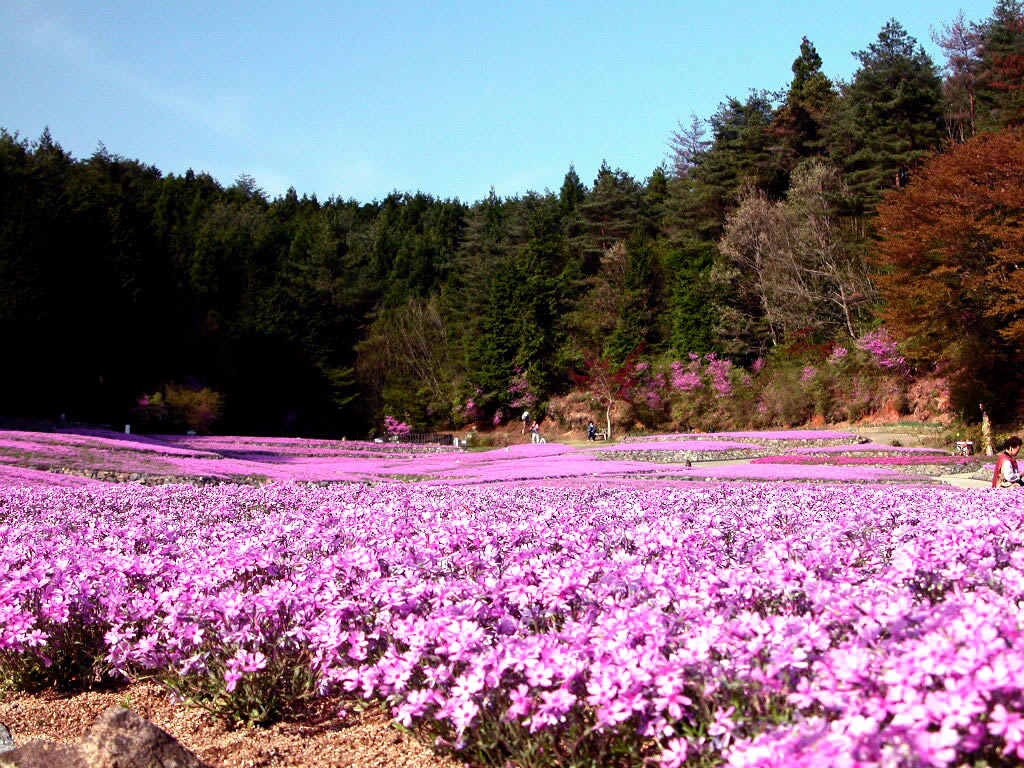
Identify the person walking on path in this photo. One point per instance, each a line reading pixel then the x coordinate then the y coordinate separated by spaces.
pixel 1007 474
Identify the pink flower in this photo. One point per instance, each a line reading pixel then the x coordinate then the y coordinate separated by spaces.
pixel 937 748
pixel 724 724
pixel 231 677
pixel 1009 725
pixel 674 753
pixel 521 702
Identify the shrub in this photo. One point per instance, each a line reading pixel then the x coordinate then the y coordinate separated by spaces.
pixel 179 408
pixel 396 428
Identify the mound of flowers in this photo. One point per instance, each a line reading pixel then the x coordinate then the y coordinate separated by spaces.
pixel 867 449
pixel 679 451
pixel 257 461
pixel 299 446
pixel 753 625
pixel 918 464
pixel 786 438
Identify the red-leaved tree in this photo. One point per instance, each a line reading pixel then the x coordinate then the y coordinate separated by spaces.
pixel 609 382
pixel 952 255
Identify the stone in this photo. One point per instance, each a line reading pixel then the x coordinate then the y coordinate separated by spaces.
pixel 118 739
pixel 6 742
pixel 44 754
pixel 122 739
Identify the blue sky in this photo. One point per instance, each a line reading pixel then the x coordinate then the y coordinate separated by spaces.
pixel 356 100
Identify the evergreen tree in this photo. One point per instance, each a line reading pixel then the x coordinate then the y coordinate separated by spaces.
pixel 495 347
pixel 688 144
pixel 891 117
pixel 572 193
pixel 1001 96
pixel 799 124
pixel 653 203
pixel 961 43
pixel 611 213
pixel 634 327
pixel 485 248
pixel 571 197
pixel 690 306
pixel 739 155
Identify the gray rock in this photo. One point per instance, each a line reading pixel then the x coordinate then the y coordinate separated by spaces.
pixel 121 739
pixel 44 754
pixel 118 739
pixel 6 742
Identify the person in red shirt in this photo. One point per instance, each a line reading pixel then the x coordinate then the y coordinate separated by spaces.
pixel 1007 473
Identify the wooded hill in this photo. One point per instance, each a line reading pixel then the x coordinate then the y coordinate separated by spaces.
pixel 785 227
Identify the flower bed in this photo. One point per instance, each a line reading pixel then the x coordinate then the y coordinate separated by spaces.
pixel 919 464
pixel 302 446
pixel 818 436
pixel 679 451
pixel 815 473
pixel 15 477
pixel 775 440
pixel 757 625
pixel 244 463
pixel 867 449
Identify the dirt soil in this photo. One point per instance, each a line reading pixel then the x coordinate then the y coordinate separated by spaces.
pixel 316 737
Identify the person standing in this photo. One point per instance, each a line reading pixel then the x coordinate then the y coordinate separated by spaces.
pixel 1007 473
pixel 591 431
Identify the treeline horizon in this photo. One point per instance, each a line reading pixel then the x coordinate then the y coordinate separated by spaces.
pixel 757 241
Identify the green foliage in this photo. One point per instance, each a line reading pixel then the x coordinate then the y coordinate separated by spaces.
pixel 801 120
pixel 282 685
pixel 1000 41
pixel 315 317
pixel 179 408
pixel 637 305
pixel 690 310
pixel 890 117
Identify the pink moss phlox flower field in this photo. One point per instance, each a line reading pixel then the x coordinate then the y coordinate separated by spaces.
pixel 760 625
pixel 904 460
pixel 25 476
pixel 830 472
pixel 785 434
pixel 874 447
pixel 258 460
pixel 680 445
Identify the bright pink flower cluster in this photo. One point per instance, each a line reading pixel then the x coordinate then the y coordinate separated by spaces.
pixel 883 350
pixel 753 625
pixel 686 376
pixel 395 427
pixel 837 355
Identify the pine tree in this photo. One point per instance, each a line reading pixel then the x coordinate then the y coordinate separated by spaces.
pixel 635 325
pixel 688 144
pixel 1002 65
pixel 739 155
pixel 799 124
pixel 891 117
pixel 572 193
pixel 610 213
pixel 690 313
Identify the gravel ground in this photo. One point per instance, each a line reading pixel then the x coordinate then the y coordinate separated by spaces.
pixel 316 738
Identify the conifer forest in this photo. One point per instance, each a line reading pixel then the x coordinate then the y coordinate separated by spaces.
pixel 788 243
